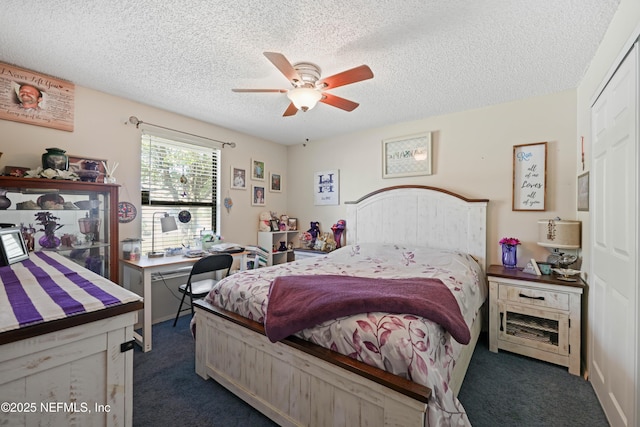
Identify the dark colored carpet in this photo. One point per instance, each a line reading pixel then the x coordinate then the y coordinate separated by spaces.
pixel 500 389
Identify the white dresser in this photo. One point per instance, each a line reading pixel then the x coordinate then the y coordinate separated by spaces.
pixel 66 345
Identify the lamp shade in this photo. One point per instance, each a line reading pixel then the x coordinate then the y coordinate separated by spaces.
pixel 168 223
pixel 304 98
pixel 558 233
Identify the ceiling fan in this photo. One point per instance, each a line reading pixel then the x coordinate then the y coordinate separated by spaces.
pixel 309 88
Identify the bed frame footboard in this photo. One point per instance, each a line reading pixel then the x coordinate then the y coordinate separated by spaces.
pixel 296 383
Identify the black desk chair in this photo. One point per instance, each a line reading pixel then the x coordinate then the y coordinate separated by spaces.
pixel 200 288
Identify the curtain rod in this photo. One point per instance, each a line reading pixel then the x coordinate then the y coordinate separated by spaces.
pixel 134 120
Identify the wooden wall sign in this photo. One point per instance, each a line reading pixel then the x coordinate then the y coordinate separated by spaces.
pixel 36 99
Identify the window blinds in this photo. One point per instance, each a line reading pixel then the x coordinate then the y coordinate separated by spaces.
pixel 180 179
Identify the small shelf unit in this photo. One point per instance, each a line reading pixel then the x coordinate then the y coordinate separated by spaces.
pixel 270 241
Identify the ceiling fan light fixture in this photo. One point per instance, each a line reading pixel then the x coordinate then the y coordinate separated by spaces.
pixel 304 98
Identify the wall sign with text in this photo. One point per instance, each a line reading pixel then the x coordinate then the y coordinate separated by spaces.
pixel 326 186
pixel 529 177
pixel 36 99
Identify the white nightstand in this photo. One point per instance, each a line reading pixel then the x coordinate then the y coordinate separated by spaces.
pixel 306 253
pixel 536 316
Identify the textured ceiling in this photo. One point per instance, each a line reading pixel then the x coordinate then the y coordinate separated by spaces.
pixel 429 57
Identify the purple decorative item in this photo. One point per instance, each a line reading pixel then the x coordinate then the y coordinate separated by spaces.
pixel 49 241
pixel 94 263
pixel 90 166
pixel 314 230
pixel 338 228
pixel 510 256
pixel 49 226
pixel 509 251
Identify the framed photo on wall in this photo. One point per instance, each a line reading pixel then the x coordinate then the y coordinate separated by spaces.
pixel 238 178
pixel 257 170
pixel 529 177
pixel 257 195
pixel 276 182
pixel 407 156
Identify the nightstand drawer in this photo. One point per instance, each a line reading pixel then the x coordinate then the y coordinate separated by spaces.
pixel 534 297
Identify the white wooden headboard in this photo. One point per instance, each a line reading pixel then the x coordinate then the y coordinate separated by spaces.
pixel 420 215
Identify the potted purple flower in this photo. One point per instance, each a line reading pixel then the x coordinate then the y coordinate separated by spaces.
pixel 49 225
pixel 509 251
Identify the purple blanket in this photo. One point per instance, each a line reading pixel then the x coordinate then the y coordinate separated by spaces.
pixel 300 302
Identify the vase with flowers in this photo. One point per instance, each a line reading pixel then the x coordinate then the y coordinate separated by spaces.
pixel 509 251
pixel 49 225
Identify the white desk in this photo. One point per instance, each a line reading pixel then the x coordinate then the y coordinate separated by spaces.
pixel 148 266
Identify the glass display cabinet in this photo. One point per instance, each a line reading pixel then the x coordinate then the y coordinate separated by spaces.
pixel 74 218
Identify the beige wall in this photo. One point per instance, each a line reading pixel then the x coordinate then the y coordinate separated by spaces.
pixel 100 132
pixel 472 155
pixel 624 29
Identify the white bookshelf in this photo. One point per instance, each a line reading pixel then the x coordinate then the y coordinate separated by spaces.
pixel 271 239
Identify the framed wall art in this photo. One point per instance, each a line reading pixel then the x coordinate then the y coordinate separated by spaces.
pixel 529 177
pixel 238 178
pixel 276 182
pixel 36 99
pixel 583 192
pixel 327 187
pixel 257 195
pixel 257 170
pixel 407 156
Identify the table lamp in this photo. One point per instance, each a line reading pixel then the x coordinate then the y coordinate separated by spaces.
pixel 559 234
pixel 167 223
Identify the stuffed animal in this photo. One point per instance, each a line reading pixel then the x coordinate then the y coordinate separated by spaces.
pixel 284 222
pixel 314 230
pixel 263 223
pixel 338 228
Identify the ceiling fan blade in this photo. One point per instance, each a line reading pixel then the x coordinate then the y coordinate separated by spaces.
pixel 284 66
pixel 353 75
pixel 260 90
pixel 290 111
pixel 336 101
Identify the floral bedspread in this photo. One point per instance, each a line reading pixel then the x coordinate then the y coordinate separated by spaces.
pixel 406 345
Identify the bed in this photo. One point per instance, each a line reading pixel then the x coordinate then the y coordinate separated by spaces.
pixel 345 371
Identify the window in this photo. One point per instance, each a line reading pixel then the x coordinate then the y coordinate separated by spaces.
pixel 180 179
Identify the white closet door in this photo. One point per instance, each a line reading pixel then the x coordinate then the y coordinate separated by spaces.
pixel 614 233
